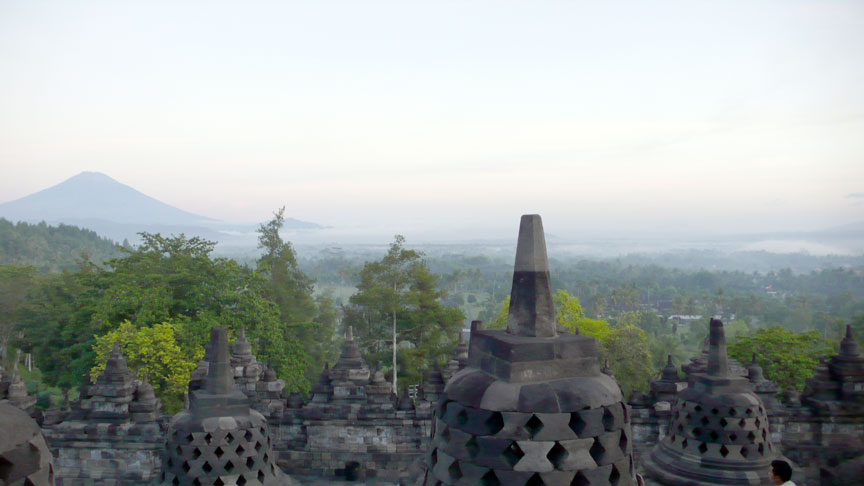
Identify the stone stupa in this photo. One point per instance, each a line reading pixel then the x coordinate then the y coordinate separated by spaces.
pixel 532 406
pixel 220 440
pixel 718 431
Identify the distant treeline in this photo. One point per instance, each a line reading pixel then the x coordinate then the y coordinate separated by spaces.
pixel 52 248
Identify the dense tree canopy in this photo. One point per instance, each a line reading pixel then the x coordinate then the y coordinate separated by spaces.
pixel 51 248
pixel 398 306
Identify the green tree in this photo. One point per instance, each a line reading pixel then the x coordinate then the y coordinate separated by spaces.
pixel 629 356
pixel 307 324
pixel 788 358
pixel 571 316
pixel 398 301
pixel 152 350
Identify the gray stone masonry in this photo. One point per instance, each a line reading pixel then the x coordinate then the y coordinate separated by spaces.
pixel 352 427
pixel 111 436
pixel 532 406
pixel 718 430
pixel 220 440
pixel 24 456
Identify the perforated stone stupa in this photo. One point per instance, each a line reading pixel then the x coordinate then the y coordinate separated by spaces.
pixel 718 433
pixel 220 440
pixel 24 456
pixel 532 407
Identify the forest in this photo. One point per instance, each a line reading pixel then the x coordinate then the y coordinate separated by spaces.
pixel 66 296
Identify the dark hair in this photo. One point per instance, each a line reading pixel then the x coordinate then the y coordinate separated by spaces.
pixel 782 470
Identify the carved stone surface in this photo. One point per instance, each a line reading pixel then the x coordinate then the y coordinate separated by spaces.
pixel 718 432
pixel 24 455
pixel 14 391
pixel 352 426
pixel 532 406
pixel 111 435
pixel 220 440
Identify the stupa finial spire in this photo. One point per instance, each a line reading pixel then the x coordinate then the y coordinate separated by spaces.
pixel 532 311
pixel 718 362
pixel 220 377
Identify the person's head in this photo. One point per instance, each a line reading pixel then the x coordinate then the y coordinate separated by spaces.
pixel 781 472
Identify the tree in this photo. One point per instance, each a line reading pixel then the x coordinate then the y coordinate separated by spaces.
pixel 628 353
pixel 398 297
pixel 307 324
pixel 165 279
pixel 154 351
pixel 571 316
pixel 787 358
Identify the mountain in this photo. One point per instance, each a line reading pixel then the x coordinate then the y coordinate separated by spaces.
pixel 95 196
pixel 97 202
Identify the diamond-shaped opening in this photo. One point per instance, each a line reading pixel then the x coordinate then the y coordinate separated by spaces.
pixel 698 408
pixel 733 437
pixel 714 435
pixel 462 417
pixel 169 462
pixel 577 425
pixel 189 438
pixel 196 453
pixel 490 479
pixel 186 467
pixel 680 428
pixel 614 476
pixel 535 480
pixel 250 462
pixel 266 459
pixel 179 450
pixel 684 444
pixel 723 422
pixel 512 454
pixel 445 434
pixel 696 431
pixel 229 438
pixel 715 411
pixel 608 419
pixel 218 452
pixel 744 451
pixel 240 450
pixel 597 451
pixel 494 423
pixel 454 471
pixel 472 447
pixel 433 458
pixel 702 448
pixel 758 422
pixel 764 434
pixel 557 455
pixel 248 436
pixel 761 449
pixel 229 466
pixel 742 423
pixel 263 432
pixel 705 421
pixel 533 426
pixel 257 446
pixel 196 482
pixel 241 480
pixel 623 442
pixel 218 482
pixel 751 436
pixel 732 412
pixel 175 481
pixel 206 467
pixel 749 412
pixel 724 451
pixel 208 438
pixel 580 480
pixel 261 477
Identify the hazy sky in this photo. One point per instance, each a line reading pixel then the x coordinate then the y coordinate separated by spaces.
pixel 710 116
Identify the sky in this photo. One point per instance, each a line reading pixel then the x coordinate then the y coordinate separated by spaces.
pixel 605 117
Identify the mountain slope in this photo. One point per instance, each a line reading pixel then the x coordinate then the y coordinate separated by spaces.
pixel 95 196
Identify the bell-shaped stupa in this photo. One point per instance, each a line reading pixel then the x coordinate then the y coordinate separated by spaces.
pixel 718 432
pixel 532 406
pixel 220 440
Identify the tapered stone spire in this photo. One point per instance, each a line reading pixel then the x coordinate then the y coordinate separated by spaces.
pixel 532 312
pixel 848 346
pixel 220 376
pixel 718 362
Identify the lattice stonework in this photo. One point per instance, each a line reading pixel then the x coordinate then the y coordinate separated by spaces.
pixel 720 432
pixel 225 452
pixel 478 446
